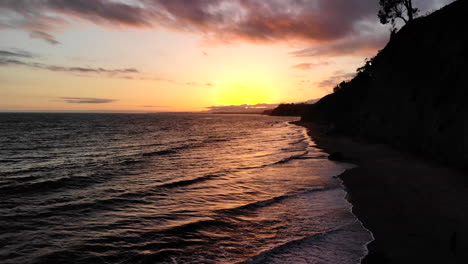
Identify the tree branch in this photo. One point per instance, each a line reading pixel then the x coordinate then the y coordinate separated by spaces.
pixel 403 18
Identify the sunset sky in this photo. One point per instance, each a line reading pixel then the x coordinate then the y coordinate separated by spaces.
pixel 176 55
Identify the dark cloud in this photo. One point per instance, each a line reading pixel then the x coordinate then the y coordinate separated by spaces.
pixel 265 21
pixel 8 62
pixel 335 79
pixel 102 11
pixel 16 53
pixel 86 70
pixel 332 27
pixel 44 36
pixel 85 100
pixel 308 66
pixel 253 20
pixel 80 70
pixel 354 45
pixel 35 12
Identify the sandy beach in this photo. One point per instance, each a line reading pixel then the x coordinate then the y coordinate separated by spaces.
pixel 416 209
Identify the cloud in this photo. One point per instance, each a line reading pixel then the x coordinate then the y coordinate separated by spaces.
pixel 44 36
pixel 241 108
pixel 308 66
pixel 335 79
pixel 303 66
pixel 355 45
pixel 327 27
pixel 7 62
pixel 76 70
pixel 85 100
pixel 194 83
pixel 250 20
pixel 430 5
pixel 17 54
pixel 264 21
pixel 38 13
pixel 17 58
pixel 110 72
pixel 155 106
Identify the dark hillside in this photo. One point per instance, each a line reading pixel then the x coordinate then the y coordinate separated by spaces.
pixel 289 110
pixel 414 93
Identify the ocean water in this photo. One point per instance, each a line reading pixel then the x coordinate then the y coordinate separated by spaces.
pixel 160 188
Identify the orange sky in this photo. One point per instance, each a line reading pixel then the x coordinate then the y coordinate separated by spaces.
pixel 150 55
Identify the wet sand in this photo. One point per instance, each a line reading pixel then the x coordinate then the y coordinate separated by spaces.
pixel 416 209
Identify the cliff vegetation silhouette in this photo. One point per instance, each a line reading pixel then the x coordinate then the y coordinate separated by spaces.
pixel 412 94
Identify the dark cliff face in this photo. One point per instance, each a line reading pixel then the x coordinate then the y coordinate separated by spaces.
pixel 289 110
pixel 414 95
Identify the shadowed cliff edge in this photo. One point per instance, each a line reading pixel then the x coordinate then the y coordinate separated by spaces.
pixel 413 94
pixel 289 110
pixel 417 210
pixel 402 119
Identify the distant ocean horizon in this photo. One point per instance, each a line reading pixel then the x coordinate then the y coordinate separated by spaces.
pixel 170 188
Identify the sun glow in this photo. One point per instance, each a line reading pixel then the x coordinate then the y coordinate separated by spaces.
pixel 252 87
pixel 237 94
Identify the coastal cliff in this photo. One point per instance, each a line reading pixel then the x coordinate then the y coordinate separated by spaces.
pixel 406 108
pixel 290 110
pixel 412 94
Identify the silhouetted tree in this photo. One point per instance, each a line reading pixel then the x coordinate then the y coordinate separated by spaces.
pixel 340 87
pixel 366 68
pixel 390 10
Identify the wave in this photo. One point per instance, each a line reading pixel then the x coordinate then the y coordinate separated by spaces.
pixel 51 184
pixel 28 170
pixel 159 153
pixel 316 157
pixel 291 158
pixel 216 140
pixel 302 140
pixel 155 189
pixel 189 146
pixel 263 257
pixel 11 160
pixel 301 156
pixel 94 206
pixel 182 183
pixel 148 247
pixel 264 203
pixel 130 162
pixel 173 150
pixel 195 226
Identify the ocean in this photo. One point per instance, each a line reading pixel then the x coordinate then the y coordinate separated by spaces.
pixel 170 188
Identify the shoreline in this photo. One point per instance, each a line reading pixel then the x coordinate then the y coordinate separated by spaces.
pixel 351 209
pixel 417 210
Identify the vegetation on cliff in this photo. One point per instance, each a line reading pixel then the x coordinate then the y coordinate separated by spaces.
pixel 390 10
pixel 289 109
pixel 413 93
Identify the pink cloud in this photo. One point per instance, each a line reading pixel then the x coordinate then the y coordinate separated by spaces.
pixel 223 20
